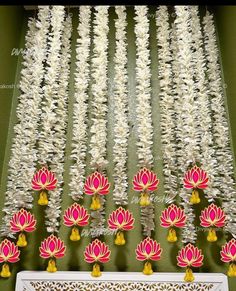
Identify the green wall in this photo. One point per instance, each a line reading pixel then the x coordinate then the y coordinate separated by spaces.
pixel 123 259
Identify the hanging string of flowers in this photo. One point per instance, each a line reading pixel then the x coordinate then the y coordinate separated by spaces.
pixel 144 119
pixel 188 149
pixel 22 162
pixel 168 122
pixel 53 210
pixel 79 139
pixel 97 184
pixel 224 172
pixel 204 130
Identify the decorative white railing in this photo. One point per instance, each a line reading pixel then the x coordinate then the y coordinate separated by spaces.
pixel 118 281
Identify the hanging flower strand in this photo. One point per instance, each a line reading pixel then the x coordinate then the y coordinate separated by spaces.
pixel 224 172
pixel 99 111
pixel 79 139
pixel 167 109
pixel 143 109
pixel 22 162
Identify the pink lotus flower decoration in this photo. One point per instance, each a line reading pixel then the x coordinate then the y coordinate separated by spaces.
pixel 96 183
pixel 121 220
pixel 52 247
pixel 170 217
pixel 145 180
pixel 196 178
pixel 210 217
pixel 44 180
pixel 76 215
pixel 95 252
pixel 148 249
pixel 8 253
pixel 228 252
pixel 22 221
pixel 189 256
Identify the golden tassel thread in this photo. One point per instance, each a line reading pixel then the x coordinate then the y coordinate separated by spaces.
pixel 75 236
pixel 189 275
pixel 51 268
pixel 195 199
pixel 232 270
pixel 21 242
pixel 147 269
pixel 120 238
pixel 96 270
pixel 172 237
pixel 5 273
pixel 144 199
pixel 43 198
pixel 212 235
pixel 95 205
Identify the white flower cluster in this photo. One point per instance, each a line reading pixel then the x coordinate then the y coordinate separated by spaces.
pixel 167 103
pixel 23 157
pixel 204 129
pixel 224 172
pixel 79 139
pixel 188 143
pixel 99 107
pixel 121 126
pixel 143 105
pixel 56 162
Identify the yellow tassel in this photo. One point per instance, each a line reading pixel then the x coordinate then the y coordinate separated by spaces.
pixel 96 270
pixel 120 238
pixel 51 266
pixel 5 273
pixel 189 275
pixel 232 270
pixel 212 235
pixel 172 235
pixel 95 205
pixel 43 199
pixel 75 236
pixel 144 199
pixel 147 269
pixel 21 242
pixel 195 199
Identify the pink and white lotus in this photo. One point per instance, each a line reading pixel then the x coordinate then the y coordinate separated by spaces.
pixel 52 247
pixel 95 252
pixel 44 180
pixel 145 181
pixel 22 221
pixel 121 220
pixel 75 215
pixel 212 216
pixel 228 255
pixel 96 184
pixel 195 178
pixel 148 250
pixel 189 256
pixel 9 252
pixel 173 216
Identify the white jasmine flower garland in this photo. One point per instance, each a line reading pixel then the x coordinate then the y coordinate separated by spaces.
pixel 99 108
pixel 53 210
pixel 121 126
pixel 188 149
pixel 204 128
pixel 79 140
pixel 167 106
pixel 224 173
pixel 23 158
pixel 143 107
